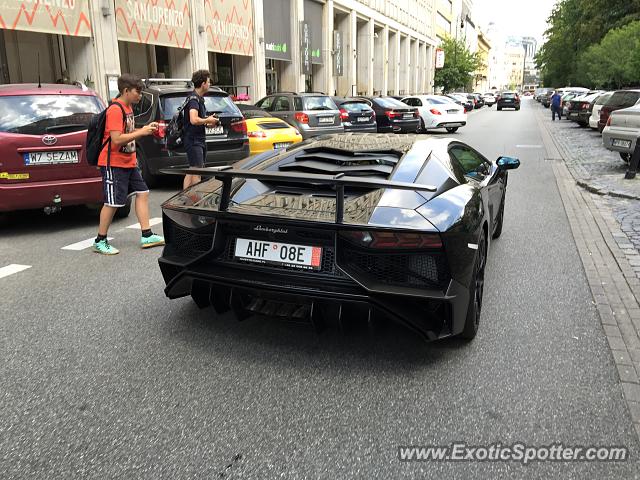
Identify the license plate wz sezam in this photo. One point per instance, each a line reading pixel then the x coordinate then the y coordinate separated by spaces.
pixel 276 253
pixel 51 158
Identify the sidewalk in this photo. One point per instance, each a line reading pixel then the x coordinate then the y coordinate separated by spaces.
pixel 609 260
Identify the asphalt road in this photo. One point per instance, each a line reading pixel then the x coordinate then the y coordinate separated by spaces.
pixel 103 377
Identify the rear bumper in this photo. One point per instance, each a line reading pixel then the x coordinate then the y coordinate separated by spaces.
pixel 432 315
pixel 361 129
pixel 609 135
pixel 170 159
pixel 25 196
pixel 311 132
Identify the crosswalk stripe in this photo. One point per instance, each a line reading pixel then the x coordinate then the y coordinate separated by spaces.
pixel 152 222
pixel 82 245
pixel 11 269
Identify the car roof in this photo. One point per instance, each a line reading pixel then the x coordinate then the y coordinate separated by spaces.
pixel 44 89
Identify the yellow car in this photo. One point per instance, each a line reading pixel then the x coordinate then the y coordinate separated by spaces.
pixel 266 132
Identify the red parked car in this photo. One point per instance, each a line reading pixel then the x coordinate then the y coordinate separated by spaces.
pixel 43 163
pixel 619 100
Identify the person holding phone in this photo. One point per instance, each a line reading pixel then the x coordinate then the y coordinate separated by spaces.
pixel 196 121
pixel 119 165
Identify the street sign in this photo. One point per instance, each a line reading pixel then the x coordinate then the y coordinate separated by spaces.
pixel 337 54
pixel 439 58
pixel 305 33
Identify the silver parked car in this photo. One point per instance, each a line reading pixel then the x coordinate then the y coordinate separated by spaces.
pixel 621 131
pixel 312 114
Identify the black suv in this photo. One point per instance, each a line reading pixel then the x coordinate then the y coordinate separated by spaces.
pixel 161 99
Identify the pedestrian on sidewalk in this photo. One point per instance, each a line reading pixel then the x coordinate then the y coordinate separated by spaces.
pixel 195 123
pixel 556 106
pixel 119 166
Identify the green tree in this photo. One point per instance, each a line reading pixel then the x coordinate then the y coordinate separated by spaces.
pixel 574 26
pixel 615 61
pixel 459 65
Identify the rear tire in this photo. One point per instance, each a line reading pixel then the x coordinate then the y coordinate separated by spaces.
pixel 421 127
pixel 452 129
pixel 476 289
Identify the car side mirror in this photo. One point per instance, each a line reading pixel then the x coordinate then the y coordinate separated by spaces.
pixel 508 163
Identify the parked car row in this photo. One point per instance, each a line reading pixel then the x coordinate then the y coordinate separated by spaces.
pixel 615 114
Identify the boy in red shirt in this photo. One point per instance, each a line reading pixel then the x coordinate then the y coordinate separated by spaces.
pixel 118 164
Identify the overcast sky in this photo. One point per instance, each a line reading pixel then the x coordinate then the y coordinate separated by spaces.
pixel 515 17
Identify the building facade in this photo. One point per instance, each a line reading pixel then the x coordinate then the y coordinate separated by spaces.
pixel 252 47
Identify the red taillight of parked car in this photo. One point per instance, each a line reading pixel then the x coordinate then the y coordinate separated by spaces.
pixel 609 121
pixel 344 115
pixel 302 117
pixel 435 112
pixel 416 114
pixel 392 240
pixel 239 127
pixel 161 132
pixel 585 106
pixel 391 114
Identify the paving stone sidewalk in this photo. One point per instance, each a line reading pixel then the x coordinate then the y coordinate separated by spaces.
pixel 604 250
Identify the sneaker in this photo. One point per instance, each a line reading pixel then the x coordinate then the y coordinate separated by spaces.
pixel 152 241
pixel 104 248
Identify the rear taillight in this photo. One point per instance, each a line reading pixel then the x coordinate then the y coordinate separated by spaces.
pixel 344 115
pixel 416 114
pixel 585 106
pixel 257 134
pixel 435 112
pixel 161 132
pixel 239 127
pixel 391 114
pixel 392 240
pixel 302 117
pixel 609 121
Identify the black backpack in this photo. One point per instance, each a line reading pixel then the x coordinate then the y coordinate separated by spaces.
pixel 175 129
pixel 95 134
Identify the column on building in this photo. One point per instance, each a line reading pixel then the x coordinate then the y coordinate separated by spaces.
pixel 344 45
pixel 311 49
pixel 379 60
pixel 364 56
pixel 394 63
pixel 230 43
pixel 328 48
pixel 405 61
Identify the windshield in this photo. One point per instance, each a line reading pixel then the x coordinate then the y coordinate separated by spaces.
pixel 508 95
pixel 355 106
pixel 439 100
pixel 318 103
pixel 41 114
pixel 388 102
pixel 213 104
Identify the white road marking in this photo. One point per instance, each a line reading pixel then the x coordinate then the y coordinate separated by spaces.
pixel 152 222
pixel 528 146
pixel 82 245
pixel 11 269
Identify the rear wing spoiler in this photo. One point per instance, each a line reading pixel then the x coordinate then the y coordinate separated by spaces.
pixel 227 173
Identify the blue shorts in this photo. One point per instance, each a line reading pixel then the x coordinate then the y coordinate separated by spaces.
pixel 196 153
pixel 118 183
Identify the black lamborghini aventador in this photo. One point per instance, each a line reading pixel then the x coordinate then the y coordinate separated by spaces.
pixel 342 228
